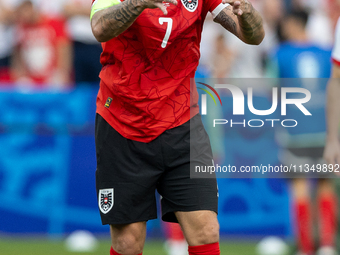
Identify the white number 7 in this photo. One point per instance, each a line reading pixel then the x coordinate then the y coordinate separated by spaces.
pixel 168 30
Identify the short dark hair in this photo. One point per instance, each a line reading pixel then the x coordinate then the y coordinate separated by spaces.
pixel 300 15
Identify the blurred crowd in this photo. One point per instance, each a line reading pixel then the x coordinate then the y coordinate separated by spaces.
pixel 229 57
pixel 49 43
pixel 298 44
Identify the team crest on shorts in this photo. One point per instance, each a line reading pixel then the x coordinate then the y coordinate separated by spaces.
pixel 190 5
pixel 105 200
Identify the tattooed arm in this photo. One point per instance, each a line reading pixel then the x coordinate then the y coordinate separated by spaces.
pixel 241 19
pixel 112 21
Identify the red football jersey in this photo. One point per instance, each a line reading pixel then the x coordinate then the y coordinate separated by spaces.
pixel 145 80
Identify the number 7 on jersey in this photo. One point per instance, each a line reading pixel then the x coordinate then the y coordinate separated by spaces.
pixel 168 30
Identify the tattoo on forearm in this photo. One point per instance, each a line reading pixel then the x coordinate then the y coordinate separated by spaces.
pixel 119 17
pixel 227 22
pixel 251 25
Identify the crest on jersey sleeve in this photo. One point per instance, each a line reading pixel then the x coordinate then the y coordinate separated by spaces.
pixel 190 5
pixel 105 200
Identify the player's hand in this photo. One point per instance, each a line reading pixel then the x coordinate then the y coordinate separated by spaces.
pixel 240 7
pixel 332 152
pixel 152 4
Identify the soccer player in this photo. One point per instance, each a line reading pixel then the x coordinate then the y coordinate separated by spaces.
pixel 42 56
pixel 147 116
pixel 304 145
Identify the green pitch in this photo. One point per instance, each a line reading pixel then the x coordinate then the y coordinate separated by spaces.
pixel 42 247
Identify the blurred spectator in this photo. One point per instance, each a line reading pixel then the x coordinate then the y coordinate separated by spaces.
pixel 303 145
pixel 42 56
pixel 209 34
pixel 6 38
pixel 241 60
pixel 249 61
pixel 86 48
pixel 222 58
pixel 51 8
pixel 273 13
pixel 319 27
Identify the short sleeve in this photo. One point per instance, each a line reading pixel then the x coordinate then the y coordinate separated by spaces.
pixel 214 6
pixel 336 49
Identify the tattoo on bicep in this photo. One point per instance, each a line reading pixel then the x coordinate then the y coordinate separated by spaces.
pixel 227 22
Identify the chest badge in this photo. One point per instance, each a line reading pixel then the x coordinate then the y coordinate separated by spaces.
pixel 108 102
pixel 190 5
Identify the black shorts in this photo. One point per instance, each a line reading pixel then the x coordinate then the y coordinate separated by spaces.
pixel 129 172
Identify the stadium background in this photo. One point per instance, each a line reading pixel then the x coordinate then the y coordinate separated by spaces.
pixel 47 157
pixel 47 173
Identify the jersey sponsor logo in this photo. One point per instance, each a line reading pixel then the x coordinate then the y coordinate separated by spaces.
pixel 190 5
pixel 105 200
pixel 108 102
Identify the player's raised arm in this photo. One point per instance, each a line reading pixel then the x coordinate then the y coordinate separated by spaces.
pixel 241 19
pixel 109 18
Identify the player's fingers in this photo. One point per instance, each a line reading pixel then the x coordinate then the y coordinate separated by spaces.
pixel 237 4
pixel 162 7
pixel 171 1
pixel 238 12
pixel 237 9
pixel 231 2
